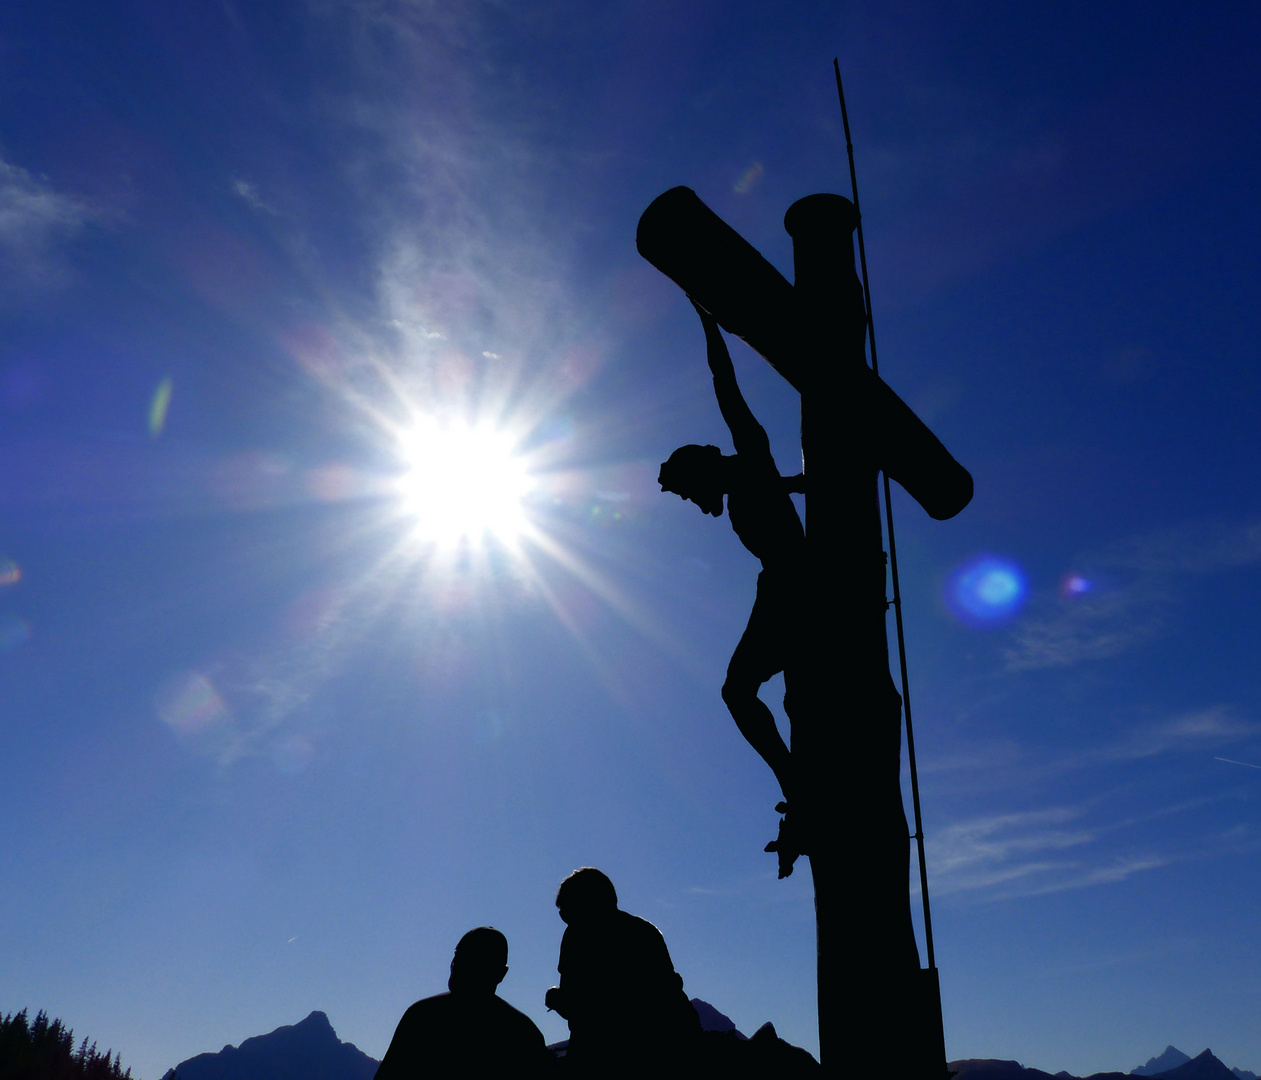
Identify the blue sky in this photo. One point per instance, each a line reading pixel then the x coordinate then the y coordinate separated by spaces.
pixel 270 747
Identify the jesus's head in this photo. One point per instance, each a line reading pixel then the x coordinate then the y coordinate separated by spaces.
pixel 697 474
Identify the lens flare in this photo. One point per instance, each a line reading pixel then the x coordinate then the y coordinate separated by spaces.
pixel 159 405
pixel 1073 585
pixel 189 703
pixel 749 178
pixel 464 481
pixel 985 589
pixel 10 572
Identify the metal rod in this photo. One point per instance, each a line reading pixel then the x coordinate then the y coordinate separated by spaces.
pixel 893 551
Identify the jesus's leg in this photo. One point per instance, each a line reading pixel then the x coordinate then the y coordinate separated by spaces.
pixel 757 724
pixel 755 660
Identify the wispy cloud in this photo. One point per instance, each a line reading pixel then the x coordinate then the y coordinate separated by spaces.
pixel 1193 732
pixel 983 850
pixel 34 217
pixel 472 292
pixel 248 191
pixel 1140 590
pixel 1030 853
pixel 1108 834
pixel 1205 728
pixel 1094 628
pixel 1232 761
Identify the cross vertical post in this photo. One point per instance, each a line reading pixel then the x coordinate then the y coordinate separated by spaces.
pixel 847 735
pixel 846 713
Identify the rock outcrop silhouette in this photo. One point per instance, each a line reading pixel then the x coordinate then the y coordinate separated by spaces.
pixel 760 1057
pixel 728 1052
pixel 712 1020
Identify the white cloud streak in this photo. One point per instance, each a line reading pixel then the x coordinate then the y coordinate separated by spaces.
pixel 33 218
pixel 470 265
pixel 1232 761
pixel 248 191
pixel 1029 853
pixel 1034 852
pixel 1148 571
pixel 1193 732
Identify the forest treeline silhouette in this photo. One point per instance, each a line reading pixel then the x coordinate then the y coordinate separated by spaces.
pixel 45 1050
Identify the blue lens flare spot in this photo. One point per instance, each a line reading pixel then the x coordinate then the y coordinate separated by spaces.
pixel 986 589
pixel 1073 585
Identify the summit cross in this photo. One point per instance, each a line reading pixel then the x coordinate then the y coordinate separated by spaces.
pixel 845 719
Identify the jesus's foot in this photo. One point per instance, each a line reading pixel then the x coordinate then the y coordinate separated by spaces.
pixel 788 845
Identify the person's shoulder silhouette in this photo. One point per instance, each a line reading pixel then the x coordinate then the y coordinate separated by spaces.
pixel 470 1030
pixel 618 987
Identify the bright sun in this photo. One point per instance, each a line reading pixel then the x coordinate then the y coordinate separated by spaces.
pixel 464 481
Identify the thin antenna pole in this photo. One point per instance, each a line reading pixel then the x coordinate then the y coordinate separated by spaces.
pixel 893 550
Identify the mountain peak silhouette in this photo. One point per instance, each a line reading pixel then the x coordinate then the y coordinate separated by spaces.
pixel 316 1021
pixel 1203 1067
pixel 307 1050
pixel 1170 1059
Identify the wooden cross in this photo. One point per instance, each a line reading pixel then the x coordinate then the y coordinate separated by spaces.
pixel 879 1013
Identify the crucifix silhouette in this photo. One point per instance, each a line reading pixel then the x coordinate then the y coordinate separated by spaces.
pixel 879 1012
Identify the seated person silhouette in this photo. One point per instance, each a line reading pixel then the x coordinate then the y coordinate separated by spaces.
pixel 618 989
pixel 469 1031
pixel 763 517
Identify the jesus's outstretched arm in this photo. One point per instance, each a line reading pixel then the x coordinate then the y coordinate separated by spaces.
pixel 746 433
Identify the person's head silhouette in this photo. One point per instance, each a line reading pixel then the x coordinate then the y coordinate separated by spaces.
pixel 696 473
pixel 480 962
pixel 585 894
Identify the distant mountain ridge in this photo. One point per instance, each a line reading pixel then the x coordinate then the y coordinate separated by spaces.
pixel 1204 1067
pixel 997 1069
pixel 309 1050
pixel 1173 1064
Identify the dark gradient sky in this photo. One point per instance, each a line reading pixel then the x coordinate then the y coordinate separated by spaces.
pixel 267 750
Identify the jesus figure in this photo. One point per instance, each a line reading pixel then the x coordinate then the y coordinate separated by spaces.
pixel 761 511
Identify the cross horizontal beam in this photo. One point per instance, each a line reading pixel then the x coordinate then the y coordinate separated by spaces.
pixel 729 278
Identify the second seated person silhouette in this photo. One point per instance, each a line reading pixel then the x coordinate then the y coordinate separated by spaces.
pixel 627 1012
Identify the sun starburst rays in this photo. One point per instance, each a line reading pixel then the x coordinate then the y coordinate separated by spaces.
pixel 464 482
pixel 476 490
